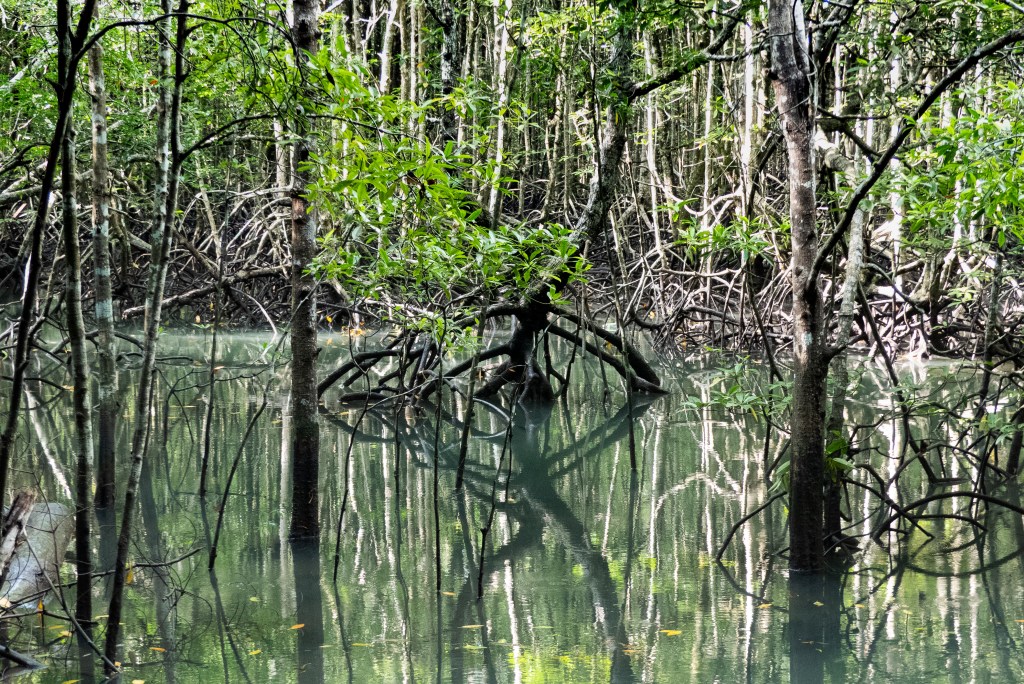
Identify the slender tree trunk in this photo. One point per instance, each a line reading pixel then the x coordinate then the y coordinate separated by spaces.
pixel 502 12
pixel 384 78
pixel 451 53
pixel 791 79
pixel 106 404
pixel 65 97
pixel 841 375
pixel 305 521
pixel 165 204
pixel 76 342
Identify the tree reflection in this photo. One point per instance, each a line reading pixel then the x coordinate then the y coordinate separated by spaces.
pixel 309 611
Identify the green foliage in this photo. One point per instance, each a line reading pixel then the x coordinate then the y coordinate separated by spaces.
pixel 400 229
pixel 970 171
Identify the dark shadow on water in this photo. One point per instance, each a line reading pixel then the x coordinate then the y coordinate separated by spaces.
pixel 309 611
pixel 815 609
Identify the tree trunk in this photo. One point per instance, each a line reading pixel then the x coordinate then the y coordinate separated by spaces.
pixel 106 404
pixel 791 80
pixel 65 99
pixel 305 521
pixel 79 369
pixel 165 204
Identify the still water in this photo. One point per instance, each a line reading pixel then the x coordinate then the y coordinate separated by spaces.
pixel 591 571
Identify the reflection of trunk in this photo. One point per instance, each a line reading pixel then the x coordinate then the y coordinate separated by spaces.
pixel 309 611
pixel 168 166
pixel 107 404
pixel 791 80
pixel 535 486
pixel 305 521
pixel 163 590
pixel 814 621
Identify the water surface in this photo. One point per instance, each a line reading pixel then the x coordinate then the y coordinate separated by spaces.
pixel 592 572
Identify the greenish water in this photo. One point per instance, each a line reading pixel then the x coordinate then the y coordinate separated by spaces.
pixel 592 573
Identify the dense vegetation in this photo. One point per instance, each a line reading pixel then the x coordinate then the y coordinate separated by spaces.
pixel 784 181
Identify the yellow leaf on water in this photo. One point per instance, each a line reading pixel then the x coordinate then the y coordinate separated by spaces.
pixel 471 626
pixel 255 651
pixel 1020 620
pixel 859 605
pixel 765 605
pixel 130 577
pixel 817 604
pixel 158 649
pixel 57 627
pixel 70 681
pixel 361 644
pixel 448 593
pixel 298 626
pixel 671 632
pixel 138 681
pixel 65 633
pixel 254 599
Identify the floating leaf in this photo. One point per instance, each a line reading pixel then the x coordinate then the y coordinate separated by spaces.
pixel 70 681
pixel 471 626
pixel 254 599
pixel 158 649
pixel 671 632
pixel 765 605
pixel 130 577
pixel 448 593
pixel 362 644
pixel 859 605
pixel 298 626
pixel 57 627
pixel 65 633
pixel 255 651
pixel 817 604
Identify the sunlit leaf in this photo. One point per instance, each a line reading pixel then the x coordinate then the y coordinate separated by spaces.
pixel 671 632
pixel 448 593
pixel 817 604
pixel 254 599
pixel 298 626
pixel 765 605
pixel 65 633
pixel 255 651
pixel 471 626
pixel 158 649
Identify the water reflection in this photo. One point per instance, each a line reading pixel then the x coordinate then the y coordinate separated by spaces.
pixel 592 572
pixel 309 611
